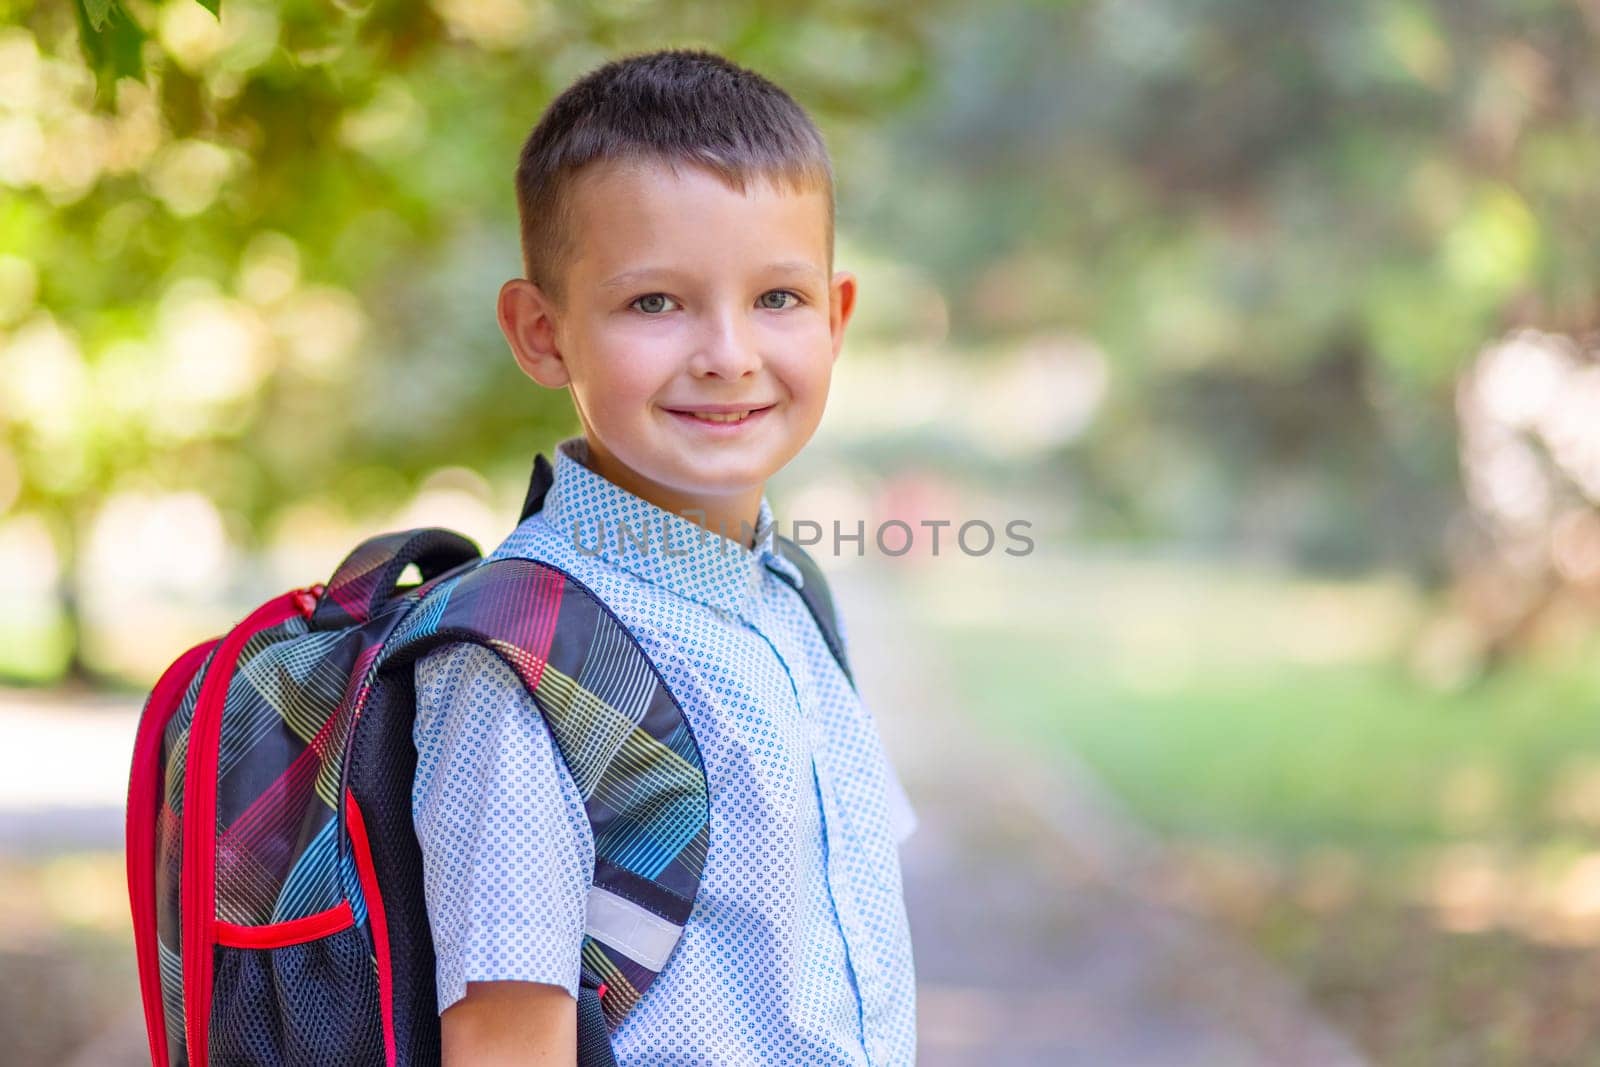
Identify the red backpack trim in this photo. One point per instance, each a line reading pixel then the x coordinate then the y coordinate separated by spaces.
pixel 376 919
pixel 291 932
pixel 144 800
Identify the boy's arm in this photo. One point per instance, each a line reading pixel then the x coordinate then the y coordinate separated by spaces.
pixel 511 1024
pixel 507 860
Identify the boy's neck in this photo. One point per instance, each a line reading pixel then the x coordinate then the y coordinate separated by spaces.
pixel 732 515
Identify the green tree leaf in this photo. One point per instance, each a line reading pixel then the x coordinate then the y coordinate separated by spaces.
pixel 112 44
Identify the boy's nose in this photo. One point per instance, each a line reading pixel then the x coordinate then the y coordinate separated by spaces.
pixel 725 350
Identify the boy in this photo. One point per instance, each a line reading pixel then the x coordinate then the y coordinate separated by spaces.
pixel 677 234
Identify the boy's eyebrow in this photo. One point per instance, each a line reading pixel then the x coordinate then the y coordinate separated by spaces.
pixel 787 266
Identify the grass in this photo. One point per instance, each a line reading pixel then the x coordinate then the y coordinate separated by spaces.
pixel 1297 757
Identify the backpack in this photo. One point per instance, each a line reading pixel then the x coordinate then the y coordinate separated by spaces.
pixel 274 875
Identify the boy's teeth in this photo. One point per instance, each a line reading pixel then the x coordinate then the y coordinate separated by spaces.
pixel 732 416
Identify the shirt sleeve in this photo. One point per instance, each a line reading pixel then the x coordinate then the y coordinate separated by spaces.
pixel 507 852
pixel 902 816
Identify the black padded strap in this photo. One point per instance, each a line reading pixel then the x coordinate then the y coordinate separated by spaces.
pixel 594 1040
pixel 818 599
pixel 538 485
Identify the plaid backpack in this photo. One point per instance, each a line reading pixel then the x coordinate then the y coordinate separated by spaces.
pixel 273 872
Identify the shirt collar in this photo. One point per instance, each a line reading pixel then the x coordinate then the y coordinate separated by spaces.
pixel 608 522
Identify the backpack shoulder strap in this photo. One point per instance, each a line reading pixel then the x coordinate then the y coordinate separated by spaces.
pixel 544 475
pixel 813 589
pixel 623 737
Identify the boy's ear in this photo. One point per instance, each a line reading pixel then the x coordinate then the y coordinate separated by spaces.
pixel 841 303
pixel 527 318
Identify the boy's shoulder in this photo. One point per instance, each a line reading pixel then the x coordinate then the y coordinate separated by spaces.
pixel 534 538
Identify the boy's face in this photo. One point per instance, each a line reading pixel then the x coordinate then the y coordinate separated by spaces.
pixel 683 294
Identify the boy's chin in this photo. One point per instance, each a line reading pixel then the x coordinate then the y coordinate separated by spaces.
pixel 720 478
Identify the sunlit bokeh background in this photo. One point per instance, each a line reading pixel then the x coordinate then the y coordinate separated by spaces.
pixel 1278 321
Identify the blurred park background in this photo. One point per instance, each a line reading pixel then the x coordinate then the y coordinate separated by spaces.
pixel 1278 320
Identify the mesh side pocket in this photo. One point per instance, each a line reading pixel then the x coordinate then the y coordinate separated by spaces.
pixel 299 1005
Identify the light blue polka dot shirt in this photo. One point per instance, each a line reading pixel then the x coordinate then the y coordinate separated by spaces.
pixel 797 950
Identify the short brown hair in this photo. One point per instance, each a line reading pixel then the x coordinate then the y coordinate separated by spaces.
pixel 675 106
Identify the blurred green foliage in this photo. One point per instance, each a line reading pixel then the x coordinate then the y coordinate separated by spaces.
pixel 266 265
pixel 1288 225
pixel 348 146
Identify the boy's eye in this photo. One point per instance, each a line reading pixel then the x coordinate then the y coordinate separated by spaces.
pixel 652 303
pixel 778 293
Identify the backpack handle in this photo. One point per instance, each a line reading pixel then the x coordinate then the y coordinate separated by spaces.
pixel 368 576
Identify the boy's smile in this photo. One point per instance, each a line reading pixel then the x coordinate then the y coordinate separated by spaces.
pixel 697 336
